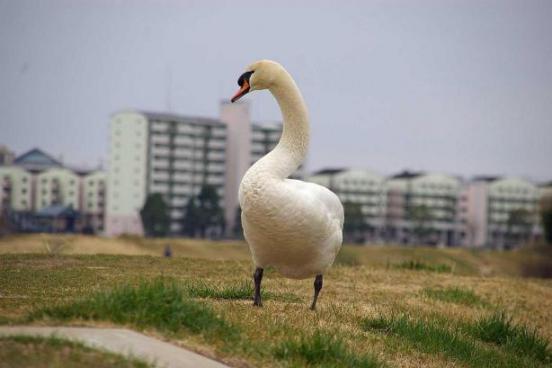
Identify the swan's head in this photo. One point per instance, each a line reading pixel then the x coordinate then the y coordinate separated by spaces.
pixel 259 75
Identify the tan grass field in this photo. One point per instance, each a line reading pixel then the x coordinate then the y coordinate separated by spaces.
pixel 365 283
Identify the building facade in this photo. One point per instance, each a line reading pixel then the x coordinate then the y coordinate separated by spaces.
pixel 36 186
pixel 176 156
pixel 16 189
pixel 93 200
pixel 365 188
pixel 161 153
pixel 424 208
pixel 502 212
pixel 57 186
pixel 6 156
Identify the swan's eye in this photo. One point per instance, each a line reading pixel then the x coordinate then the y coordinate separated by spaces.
pixel 244 77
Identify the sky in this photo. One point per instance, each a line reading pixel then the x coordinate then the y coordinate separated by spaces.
pixel 460 87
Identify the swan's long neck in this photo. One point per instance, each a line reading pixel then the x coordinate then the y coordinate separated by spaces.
pixel 291 150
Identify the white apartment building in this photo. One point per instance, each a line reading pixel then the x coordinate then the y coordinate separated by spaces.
pixel 16 189
pixel 36 182
pixel 424 205
pixel 160 153
pixel 358 186
pixel 176 155
pixel 57 186
pixel 93 199
pixel 502 212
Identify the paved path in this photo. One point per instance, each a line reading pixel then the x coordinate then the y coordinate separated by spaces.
pixel 122 341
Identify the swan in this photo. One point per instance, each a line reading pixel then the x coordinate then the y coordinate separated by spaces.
pixel 294 226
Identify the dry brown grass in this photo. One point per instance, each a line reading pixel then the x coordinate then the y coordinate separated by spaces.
pixel 462 261
pixel 350 293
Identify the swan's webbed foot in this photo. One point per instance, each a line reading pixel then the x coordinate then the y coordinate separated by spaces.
pixel 317 288
pixel 257 277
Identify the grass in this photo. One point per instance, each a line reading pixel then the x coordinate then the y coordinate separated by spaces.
pixel 238 291
pixel 421 266
pixel 322 349
pixel 519 347
pixel 499 329
pixel 474 262
pixel 455 295
pixel 160 304
pixel 348 256
pixel 53 352
pixel 216 277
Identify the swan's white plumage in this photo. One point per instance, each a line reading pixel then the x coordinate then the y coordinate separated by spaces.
pixel 291 225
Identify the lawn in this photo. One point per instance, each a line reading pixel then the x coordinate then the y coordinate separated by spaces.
pixel 52 352
pixel 380 306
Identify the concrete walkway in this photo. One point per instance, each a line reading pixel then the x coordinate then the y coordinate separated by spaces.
pixel 124 342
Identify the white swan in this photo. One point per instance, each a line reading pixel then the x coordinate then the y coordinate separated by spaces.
pixel 291 225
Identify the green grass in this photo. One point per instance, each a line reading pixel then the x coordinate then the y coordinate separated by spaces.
pixel 75 285
pixel 33 351
pixel 429 337
pixel 455 295
pixel 237 291
pixel 421 266
pixel 347 257
pixel 160 304
pixel 518 339
pixel 322 349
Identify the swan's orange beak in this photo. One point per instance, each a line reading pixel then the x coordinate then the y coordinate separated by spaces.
pixel 244 89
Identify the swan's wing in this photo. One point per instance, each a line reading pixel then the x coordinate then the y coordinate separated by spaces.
pixel 317 194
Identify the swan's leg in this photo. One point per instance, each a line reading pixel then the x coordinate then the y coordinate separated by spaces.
pixel 317 288
pixel 257 277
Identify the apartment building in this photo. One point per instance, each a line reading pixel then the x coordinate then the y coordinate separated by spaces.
pixel 502 212
pixel 57 186
pixel 37 185
pixel 6 156
pixel 176 155
pixel 424 208
pixel 16 189
pixel 364 187
pixel 161 153
pixel 93 200
pixel 264 137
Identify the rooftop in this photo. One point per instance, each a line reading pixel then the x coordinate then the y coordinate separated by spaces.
pixel 329 171
pixel 486 178
pixel 406 175
pixel 36 160
pixel 163 116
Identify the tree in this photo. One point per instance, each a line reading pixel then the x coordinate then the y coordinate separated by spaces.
pixel 237 231
pixel 204 214
pixel 518 226
pixel 155 216
pixel 355 223
pixel 191 219
pixel 546 218
pixel 421 217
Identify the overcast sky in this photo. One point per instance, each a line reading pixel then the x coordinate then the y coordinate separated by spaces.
pixel 463 87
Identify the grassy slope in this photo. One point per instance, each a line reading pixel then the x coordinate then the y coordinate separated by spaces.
pixel 463 262
pixel 52 352
pixel 351 295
